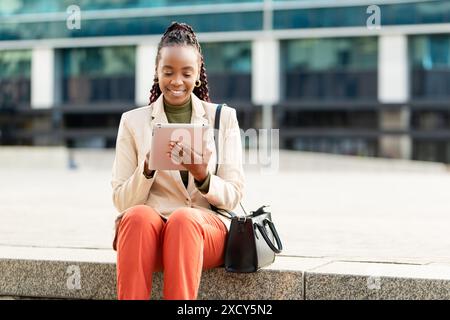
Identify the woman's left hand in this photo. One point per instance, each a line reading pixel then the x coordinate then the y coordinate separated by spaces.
pixel 194 162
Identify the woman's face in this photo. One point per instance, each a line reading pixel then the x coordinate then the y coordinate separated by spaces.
pixel 177 69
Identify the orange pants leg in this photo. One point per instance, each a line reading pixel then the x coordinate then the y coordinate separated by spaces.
pixel 138 252
pixel 193 239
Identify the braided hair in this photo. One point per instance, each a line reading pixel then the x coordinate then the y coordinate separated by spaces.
pixel 181 34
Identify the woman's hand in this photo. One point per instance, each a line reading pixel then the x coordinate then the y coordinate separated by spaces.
pixel 194 162
pixel 147 171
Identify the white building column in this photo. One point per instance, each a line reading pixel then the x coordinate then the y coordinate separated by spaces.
pixel 145 71
pixel 393 87
pixel 44 73
pixel 266 76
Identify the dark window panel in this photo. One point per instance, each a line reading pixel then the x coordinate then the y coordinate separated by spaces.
pixel 215 22
pixel 391 14
pixel 45 6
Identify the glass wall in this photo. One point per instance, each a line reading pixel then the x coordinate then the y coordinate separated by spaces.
pixel 213 22
pixel 98 74
pixel 392 14
pixel 330 69
pixel 15 73
pixel 15 83
pixel 430 66
pixel 228 66
pixel 11 7
pixel 431 150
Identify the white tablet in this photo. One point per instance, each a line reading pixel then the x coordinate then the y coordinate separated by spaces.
pixel 163 133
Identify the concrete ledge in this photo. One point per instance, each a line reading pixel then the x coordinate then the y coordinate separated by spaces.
pixel 93 276
pixel 57 279
pixel 380 281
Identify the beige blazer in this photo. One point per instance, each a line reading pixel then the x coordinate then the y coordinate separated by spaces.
pixel 166 192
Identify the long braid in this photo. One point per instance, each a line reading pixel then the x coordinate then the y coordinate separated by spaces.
pixel 202 92
pixel 155 92
pixel 181 34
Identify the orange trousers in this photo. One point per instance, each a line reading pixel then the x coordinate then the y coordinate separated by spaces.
pixel 189 241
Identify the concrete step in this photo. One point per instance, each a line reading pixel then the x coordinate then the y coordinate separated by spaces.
pixel 90 274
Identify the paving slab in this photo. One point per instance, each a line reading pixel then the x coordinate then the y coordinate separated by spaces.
pixel 351 280
pixel 333 214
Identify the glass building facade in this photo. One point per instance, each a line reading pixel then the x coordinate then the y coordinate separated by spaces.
pixel 329 69
pixel 429 57
pixel 324 69
pixel 229 70
pixel 98 74
pixel 15 90
pixel 316 71
pixel 15 70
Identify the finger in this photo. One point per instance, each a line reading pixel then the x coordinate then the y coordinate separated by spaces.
pixel 175 158
pixel 177 148
pixel 207 155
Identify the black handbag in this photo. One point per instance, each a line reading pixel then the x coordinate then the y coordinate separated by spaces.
pixel 250 241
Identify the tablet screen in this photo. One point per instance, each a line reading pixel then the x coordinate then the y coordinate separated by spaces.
pixel 190 134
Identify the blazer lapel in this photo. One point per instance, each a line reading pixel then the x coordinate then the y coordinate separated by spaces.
pixel 158 115
pixel 198 111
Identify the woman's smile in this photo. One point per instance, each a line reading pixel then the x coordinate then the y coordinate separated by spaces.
pixel 177 92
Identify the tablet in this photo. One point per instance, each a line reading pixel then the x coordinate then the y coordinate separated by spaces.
pixel 191 134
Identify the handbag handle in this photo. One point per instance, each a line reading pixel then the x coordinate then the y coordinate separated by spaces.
pixel 263 232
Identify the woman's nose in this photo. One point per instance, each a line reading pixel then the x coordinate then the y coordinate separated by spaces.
pixel 177 81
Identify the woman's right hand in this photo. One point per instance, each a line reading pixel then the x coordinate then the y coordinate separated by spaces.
pixel 147 171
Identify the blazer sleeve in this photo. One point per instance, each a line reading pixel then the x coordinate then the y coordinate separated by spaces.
pixel 130 186
pixel 227 185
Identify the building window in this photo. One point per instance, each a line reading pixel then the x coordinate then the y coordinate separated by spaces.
pixel 431 150
pixel 430 66
pixel 11 7
pixel 392 14
pixel 15 71
pixel 330 69
pixel 228 66
pixel 211 22
pixel 98 74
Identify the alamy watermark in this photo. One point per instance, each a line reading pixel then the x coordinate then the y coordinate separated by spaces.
pixel 374 20
pixel 374 280
pixel 73 21
pixel 262 144
pixel 74 280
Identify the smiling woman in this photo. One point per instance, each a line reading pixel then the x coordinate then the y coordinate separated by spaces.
pixel 166 222
pixel 179 65
pixel 176 70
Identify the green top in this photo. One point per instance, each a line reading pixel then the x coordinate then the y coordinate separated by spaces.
pixel 182 114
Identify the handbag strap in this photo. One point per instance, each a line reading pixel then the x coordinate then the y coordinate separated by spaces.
pixel 216 142
pixel 216 133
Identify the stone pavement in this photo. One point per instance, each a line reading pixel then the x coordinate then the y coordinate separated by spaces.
pixel 342 213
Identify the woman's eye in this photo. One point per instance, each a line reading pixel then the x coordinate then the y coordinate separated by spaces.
pixel 167 73
pixel 187 75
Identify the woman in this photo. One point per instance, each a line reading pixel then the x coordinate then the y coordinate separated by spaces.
pixel 166 222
